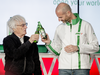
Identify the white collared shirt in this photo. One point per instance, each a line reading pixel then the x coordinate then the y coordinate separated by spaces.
pixel 21 40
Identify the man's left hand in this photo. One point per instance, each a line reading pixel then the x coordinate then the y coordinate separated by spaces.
pixel 71 48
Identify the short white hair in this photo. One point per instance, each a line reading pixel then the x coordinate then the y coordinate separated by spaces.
pixel 16 19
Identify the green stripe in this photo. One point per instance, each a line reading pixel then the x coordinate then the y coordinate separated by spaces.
pixel 53 49
pixel 89 58
pixel 78 40
pixel 79 53
pixel 78 33
pixel 70 27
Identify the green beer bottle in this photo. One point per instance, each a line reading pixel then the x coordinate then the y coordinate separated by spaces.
pixel 36 32
pixel 42 31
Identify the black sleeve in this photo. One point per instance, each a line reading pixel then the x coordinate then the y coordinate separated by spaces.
pixel 37 62
pixel 14 50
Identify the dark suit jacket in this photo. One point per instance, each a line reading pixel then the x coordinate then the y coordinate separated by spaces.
pixel 21 58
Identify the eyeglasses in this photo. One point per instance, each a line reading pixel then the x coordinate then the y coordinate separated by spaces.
pixel 23 25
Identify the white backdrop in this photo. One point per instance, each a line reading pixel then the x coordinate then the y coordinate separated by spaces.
pixel 33 11
pixel 90 11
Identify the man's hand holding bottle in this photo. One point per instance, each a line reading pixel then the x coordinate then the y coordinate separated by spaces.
pixel 46 41
pixel 34 37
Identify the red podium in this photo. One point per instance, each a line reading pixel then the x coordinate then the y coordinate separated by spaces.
pixel 49 64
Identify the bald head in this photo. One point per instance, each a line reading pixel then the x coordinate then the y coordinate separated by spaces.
pixel 63 7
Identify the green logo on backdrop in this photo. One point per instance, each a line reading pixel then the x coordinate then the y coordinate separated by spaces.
pixel 56 2
pixel 81 2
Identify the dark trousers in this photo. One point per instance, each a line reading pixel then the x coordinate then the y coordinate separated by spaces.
pixel 10 73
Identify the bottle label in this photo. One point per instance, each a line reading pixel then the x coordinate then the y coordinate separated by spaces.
pixel 43 33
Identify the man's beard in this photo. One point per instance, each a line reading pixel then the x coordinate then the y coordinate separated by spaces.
pixel 63 21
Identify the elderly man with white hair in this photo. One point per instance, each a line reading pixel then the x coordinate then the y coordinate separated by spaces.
pixel 21 53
